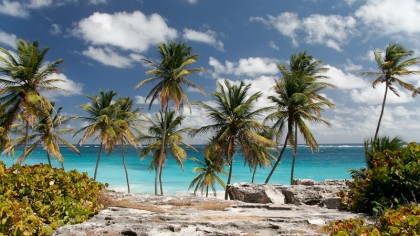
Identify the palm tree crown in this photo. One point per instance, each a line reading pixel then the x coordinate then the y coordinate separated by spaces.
pixel 392 64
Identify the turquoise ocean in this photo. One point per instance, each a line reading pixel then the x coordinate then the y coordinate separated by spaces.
pixel 331 162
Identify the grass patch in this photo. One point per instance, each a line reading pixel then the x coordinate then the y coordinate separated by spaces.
pixel 107 201
pixel 205 206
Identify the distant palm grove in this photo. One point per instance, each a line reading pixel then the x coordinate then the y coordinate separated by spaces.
pixel 28 119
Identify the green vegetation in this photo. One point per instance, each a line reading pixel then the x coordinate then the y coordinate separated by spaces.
pixel 37 200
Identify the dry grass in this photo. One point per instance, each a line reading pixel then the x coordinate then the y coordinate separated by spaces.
pixel 231 218
pixel 205 206
pixel 107 201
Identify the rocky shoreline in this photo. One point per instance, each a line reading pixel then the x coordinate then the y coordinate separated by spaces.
pixel 131 214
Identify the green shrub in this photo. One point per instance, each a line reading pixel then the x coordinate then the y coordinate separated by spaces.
pixel 35 200
pixel 403 221
pixel 390 181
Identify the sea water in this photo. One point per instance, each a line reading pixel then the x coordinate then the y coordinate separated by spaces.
pixel 331 162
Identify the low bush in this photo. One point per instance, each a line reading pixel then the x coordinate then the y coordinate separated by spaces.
pixel 402 221
pixel 35 200
pixel 392 180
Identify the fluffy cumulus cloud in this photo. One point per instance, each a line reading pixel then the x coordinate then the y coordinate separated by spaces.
pixel 350 66
pixel 391 17
pixel 96 2
pixel 330 30
pixel 142 100
pixel 13 8
pixel 344 80
pixel 67 87
pixel 192 1
pixel 374 96
pixel 251 67
pixel 208 37
pixel 8 39
pixel 129 31
pixel 108 57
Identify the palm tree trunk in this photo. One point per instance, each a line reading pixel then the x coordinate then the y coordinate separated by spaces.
pixel 207 191
pixel 294 157
pixel 25 145
pixel 229 178
pixel 49 159
pixel 253 173
pixel 278 159
pixel 97 161
pixel 125 166
pixel 162 150
pixel 160 181
pixel 382 111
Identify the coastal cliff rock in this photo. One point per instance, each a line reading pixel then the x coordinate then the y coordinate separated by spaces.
pixel 305 191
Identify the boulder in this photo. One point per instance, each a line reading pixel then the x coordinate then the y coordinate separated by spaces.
pixel 255 193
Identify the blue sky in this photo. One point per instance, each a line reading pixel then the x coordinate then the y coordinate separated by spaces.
pixel 101 42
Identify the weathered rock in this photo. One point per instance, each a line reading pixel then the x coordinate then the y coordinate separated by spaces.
pixel 255 193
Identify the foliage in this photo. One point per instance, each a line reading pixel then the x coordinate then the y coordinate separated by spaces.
pixel 392 180
pixel 403 221
pixel 35 200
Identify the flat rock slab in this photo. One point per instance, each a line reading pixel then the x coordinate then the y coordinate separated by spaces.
pixel 189 215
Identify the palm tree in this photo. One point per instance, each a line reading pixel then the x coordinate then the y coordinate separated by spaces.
pixel 127 128
pixel 392 64
pixel 208 171
pixel 48 136
pixel 25 76
pixel 170 74
pixel 297 99
pixel 101 115
pixel 173 138
pixel 234 121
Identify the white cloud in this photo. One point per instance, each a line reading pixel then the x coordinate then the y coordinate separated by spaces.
pixel 142 100
pixel 208 37
pixel 330 30
pixel 192 1
pixel 374 96
pixel 36 4
pixel 13 8
pixel 350 66
pixel 8 39
pixel 55 29
pixel 390 17
pixel 251 66
pixel 344 80
pixel 96 2
pixel 273 45
pixel 130 31
pixel 108 57
pixel 68 87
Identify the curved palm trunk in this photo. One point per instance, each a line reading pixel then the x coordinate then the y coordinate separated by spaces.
pixel 207 191
pixel 278 159
pixel 229 178
pixel 162 151
pixel 160 181
pixel 25 145
pixel 97 161
pixel 382 110
pixel 49 159
pixel 125 167
pixel 294 157
pixel 253 173
pixel 62 165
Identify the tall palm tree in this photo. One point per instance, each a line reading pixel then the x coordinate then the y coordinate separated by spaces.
pixel 101 115
pixel 260 156
pixel 46 135
pixel 25 77
pixel 127 128
pixel 208 172
pixel 169 76
pixel 395 62
pixel 297 99
pixel 173 137
pixel 234 121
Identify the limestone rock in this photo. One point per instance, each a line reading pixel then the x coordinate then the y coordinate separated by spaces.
pixel 255 193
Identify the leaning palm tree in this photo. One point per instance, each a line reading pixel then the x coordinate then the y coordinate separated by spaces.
pixel 298 100
pixel 395 62
pixel 169 76
pixel 127 128
pixel 48 137
pixel 208 172
pixel 259 156
pixel 101 115
pixel 25 76
pixel 173 137
pixel 234 121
